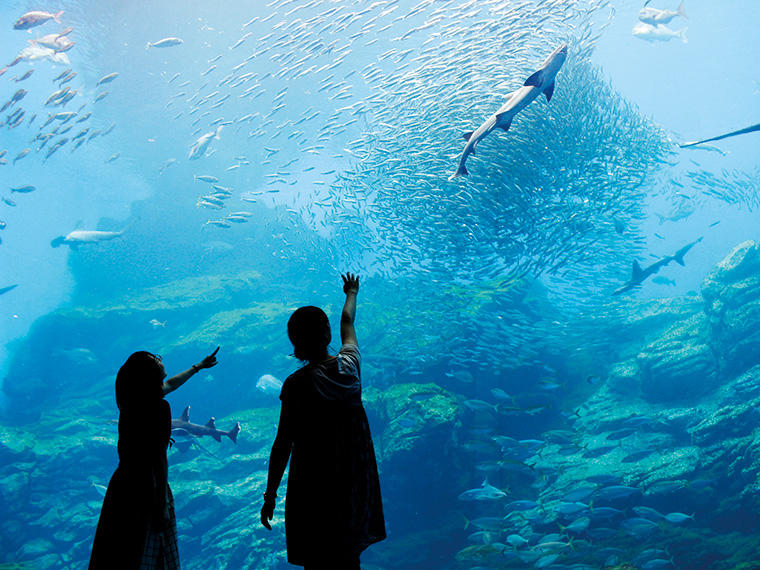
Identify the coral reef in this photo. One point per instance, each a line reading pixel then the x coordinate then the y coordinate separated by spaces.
pixel 687 377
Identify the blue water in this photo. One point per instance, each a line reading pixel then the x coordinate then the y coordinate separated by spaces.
pixel 355 127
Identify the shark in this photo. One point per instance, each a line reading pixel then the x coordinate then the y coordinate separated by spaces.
pixel 639 275
pixel 83 237
pixel 542 81
pixel 183 427
pixel 744 131
pixel 8 288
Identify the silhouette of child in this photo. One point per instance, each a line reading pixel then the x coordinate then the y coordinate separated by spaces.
pixel 137 528
pixel 333 509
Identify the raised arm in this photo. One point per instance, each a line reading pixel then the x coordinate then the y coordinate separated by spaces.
pixel 177 380
pixel 347 330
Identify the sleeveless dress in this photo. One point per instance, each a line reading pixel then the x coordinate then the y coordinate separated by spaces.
pixel 131 531
pixel 333 508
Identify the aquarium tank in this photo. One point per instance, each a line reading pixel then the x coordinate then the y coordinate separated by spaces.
pixel 552 209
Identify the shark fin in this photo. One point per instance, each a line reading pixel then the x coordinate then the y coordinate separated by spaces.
pixel 636 270
pixel 232 434
pixel 211 423
pixel 467 136
pixel 534 80
pixel 505 126
pixel 549 91
pixel 185 417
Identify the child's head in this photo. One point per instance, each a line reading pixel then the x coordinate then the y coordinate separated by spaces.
pixel 139 380
pixel 309 331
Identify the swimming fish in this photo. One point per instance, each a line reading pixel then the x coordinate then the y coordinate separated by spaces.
pixel 199 147
pixel 752 129
pixel 182 426
pixel 654 16
pixel 35 18
pixel 542 81
pixel 83 237
pixel 658 33
pixel 639 275
pixel 166 42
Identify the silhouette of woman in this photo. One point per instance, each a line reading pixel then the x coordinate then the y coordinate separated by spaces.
pixel 137 528
pixel 333 509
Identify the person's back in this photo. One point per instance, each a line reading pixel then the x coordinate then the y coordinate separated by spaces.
pixel 325 432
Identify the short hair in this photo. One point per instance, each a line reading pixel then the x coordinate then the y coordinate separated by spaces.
pixel 139 381
pixel 309 331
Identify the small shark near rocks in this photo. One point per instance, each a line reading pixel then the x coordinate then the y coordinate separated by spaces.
pixel 182 427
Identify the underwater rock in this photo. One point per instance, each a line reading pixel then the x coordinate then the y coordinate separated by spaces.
pixel 732 303
pixel 680 365
pixel 624 379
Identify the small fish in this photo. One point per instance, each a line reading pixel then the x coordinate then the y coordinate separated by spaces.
pixel 64 74
pixel 167 164
pixel 101 96
pixel 166 42
pixel 205 178
pixel 156 323
pixel 113 157
pixel 25 76
pixel 24 189
pixel 107 79
pixel 22 154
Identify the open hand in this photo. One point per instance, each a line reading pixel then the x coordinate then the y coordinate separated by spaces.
pixel 350 283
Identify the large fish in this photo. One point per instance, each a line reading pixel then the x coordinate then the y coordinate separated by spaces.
pixel 654 16
pixel 184 427
pixel 658 33
pixel 36 18
pixel 84 237
pixel 542 81
pixel 752 129
pixel 639 275
pixel 200 146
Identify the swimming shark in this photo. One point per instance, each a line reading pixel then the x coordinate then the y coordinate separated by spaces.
pixel 183 427
pixel 542 81
pixel 83 237
pixel 639 274
pixel 9 288
pixel 744 131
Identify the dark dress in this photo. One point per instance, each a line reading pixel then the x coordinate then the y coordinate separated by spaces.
pixel 333 509
pixel 131 530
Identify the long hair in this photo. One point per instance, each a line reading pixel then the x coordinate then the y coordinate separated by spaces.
pixel 139 380
pixel 309 331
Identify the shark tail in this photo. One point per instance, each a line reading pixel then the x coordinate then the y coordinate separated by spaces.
pixel 461 171
pixel 57 16
pixel 682 35
pixel 233 433
pixel 681 12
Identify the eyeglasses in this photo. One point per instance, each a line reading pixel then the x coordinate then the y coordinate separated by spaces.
pixel 158 357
